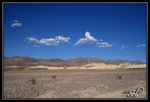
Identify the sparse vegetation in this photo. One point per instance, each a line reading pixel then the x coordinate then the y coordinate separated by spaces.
pixel 119 77
pixel 54 76
pixel 32 80
pixel 72 83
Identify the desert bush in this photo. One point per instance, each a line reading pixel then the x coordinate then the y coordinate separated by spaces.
pixel 119 77
pixel 33 81
pixel 53 76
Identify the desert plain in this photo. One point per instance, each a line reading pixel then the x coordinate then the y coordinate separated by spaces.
pixel 73 83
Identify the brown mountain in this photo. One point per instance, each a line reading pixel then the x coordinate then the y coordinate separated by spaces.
pixel 117 62
pixel 83 61
pixel 28 61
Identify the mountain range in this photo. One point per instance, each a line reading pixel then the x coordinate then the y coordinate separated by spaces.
pixel 28 61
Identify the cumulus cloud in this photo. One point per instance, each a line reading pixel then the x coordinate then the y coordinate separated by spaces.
pixel 103 44
pixel 32 39
pixel 16 20
pixel 49 41
pixel 123 47
pixel 15 23
pixel 62 39
pixel 140 45
pixel 87 40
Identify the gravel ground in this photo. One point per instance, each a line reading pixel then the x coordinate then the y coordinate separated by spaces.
pixel 72 83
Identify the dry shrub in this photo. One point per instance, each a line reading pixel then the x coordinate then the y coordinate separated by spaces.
pixel 119 77
pixel 33 81
pixel 53 76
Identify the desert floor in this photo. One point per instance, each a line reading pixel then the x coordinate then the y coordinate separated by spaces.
pixel 73 83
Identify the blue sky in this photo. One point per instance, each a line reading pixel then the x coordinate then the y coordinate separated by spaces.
pixel 106 31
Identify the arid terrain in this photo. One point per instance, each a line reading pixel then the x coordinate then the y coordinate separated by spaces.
pixel 26 77
pixel 73 83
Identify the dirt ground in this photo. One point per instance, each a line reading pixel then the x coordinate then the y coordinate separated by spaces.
pixel 73 83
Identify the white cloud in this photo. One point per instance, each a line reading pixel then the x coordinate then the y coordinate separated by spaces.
pixel 123 47
pixel 49 41
pixel 140 45
pixel 87 40
pixel 16 20
pixel 15 23
pixel 103 44
pixel 36 45
pixel 62 39
pixel 32 39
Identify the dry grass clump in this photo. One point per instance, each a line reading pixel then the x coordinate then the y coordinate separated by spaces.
pixel 54 76
pixel 119 77
pixel 32 80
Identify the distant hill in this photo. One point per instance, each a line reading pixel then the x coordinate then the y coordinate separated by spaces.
pixel 117 62
pixel 83 61
pixel 28 61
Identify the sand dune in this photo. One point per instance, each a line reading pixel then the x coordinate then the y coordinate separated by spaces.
pixel 87 66
pixel 95 66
